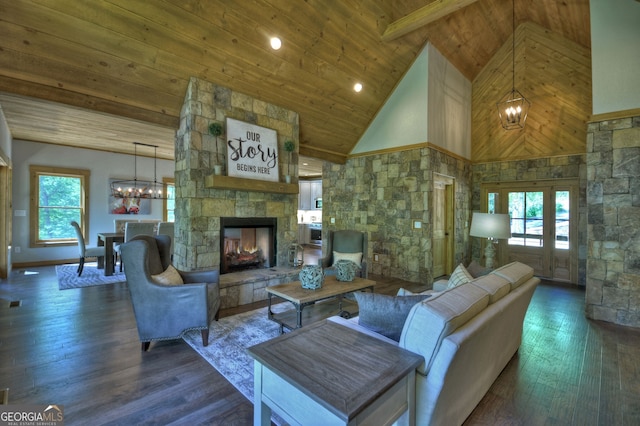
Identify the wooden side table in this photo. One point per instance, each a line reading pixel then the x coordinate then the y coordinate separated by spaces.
pixel 329 374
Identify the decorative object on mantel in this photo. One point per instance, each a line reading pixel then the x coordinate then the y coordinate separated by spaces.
pixel 513 108
pixel 346 270
pixel 289 146
pixel 136 189
pixel 492 227
pixel 311 277
pixel 215 130
pixel 296 255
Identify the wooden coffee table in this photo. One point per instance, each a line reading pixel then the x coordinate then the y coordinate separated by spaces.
pixel 302 297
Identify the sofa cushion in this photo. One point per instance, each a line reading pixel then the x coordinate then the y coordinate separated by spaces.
pixel 459 276
pixel 495 285
pixel 170 276
pixel 516 273
pixel 385 314
pixel 431 321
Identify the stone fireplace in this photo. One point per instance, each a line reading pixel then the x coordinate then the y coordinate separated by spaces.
pixel 204 200
pixel 247 243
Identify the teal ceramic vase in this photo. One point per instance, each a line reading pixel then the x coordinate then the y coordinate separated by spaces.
pixel 311 276
pixel 346 270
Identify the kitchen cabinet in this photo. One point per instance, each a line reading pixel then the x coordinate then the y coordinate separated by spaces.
pixel 310 191
pixel 304 201
pixel 303 233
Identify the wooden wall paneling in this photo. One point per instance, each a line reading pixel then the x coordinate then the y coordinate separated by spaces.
pixel 108 133
pixel 43 93
pixel 135 58
pixel 76 71
pixel 554 74
pixel 339 126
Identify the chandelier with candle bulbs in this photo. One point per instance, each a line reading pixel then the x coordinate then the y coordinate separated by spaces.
pixel 139 188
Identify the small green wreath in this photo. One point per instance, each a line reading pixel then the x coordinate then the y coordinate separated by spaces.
pixel 215 129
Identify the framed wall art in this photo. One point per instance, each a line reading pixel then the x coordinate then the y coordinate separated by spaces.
pixel 252 151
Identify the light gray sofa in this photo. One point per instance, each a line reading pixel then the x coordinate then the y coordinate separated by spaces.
pixel 467 335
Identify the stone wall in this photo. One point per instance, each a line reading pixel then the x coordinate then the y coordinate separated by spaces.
pixel 613 193
pixel 539 169
pixel 198 208
pixel 381 194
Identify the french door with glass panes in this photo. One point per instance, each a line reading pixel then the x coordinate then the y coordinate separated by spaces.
pixel 543 225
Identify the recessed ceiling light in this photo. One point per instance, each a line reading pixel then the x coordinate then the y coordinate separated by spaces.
pixel 357 87
pixel 276 43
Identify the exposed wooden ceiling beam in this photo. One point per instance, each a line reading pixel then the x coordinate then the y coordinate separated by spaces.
pixel 423 16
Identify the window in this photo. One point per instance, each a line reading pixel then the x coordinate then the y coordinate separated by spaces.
pixel 169 205
pixel 527 218
pixel 544 222
pixel 562 219
pixel 58 196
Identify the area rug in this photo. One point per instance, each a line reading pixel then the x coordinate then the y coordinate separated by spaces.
pixel 91 276
pixel 229 338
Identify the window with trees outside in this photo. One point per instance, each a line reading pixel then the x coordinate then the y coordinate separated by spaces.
pixel 58 196
pixel 169 204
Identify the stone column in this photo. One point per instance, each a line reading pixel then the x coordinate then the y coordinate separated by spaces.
pixel 199 208
pixel 613 195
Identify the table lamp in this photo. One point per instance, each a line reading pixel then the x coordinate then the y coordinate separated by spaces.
pixel 492 227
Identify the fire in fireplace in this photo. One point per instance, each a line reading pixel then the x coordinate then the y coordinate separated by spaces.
pixel 247 243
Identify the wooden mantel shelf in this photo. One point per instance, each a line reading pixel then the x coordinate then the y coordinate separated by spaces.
pixel 253 185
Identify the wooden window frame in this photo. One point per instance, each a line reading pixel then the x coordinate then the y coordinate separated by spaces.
pixel 166 182
pixel 35 172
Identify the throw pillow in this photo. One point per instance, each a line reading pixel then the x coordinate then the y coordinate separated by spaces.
pixel 404 292
pixel 170 276
pixel 354 257
pixel 385 314
pixel 476 270
pixel 459 276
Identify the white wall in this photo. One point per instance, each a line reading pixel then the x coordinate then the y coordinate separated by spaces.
pixel 103 166
pixel 432 103
pixel 403 118
pixel 615 55
pixel 449 106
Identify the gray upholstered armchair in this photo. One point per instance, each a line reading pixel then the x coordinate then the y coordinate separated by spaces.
pixel 165 308
pixel 345 244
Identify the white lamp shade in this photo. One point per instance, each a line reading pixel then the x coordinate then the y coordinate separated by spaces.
pixel 488 225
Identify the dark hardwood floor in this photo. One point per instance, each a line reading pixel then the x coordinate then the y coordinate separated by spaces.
pixel 80 348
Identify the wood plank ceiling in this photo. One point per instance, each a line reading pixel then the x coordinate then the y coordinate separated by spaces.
pixel 104 73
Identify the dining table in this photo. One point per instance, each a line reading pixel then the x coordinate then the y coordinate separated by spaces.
pixel 107 239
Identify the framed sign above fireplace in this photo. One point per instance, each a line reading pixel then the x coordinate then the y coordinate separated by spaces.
pixel 252 151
